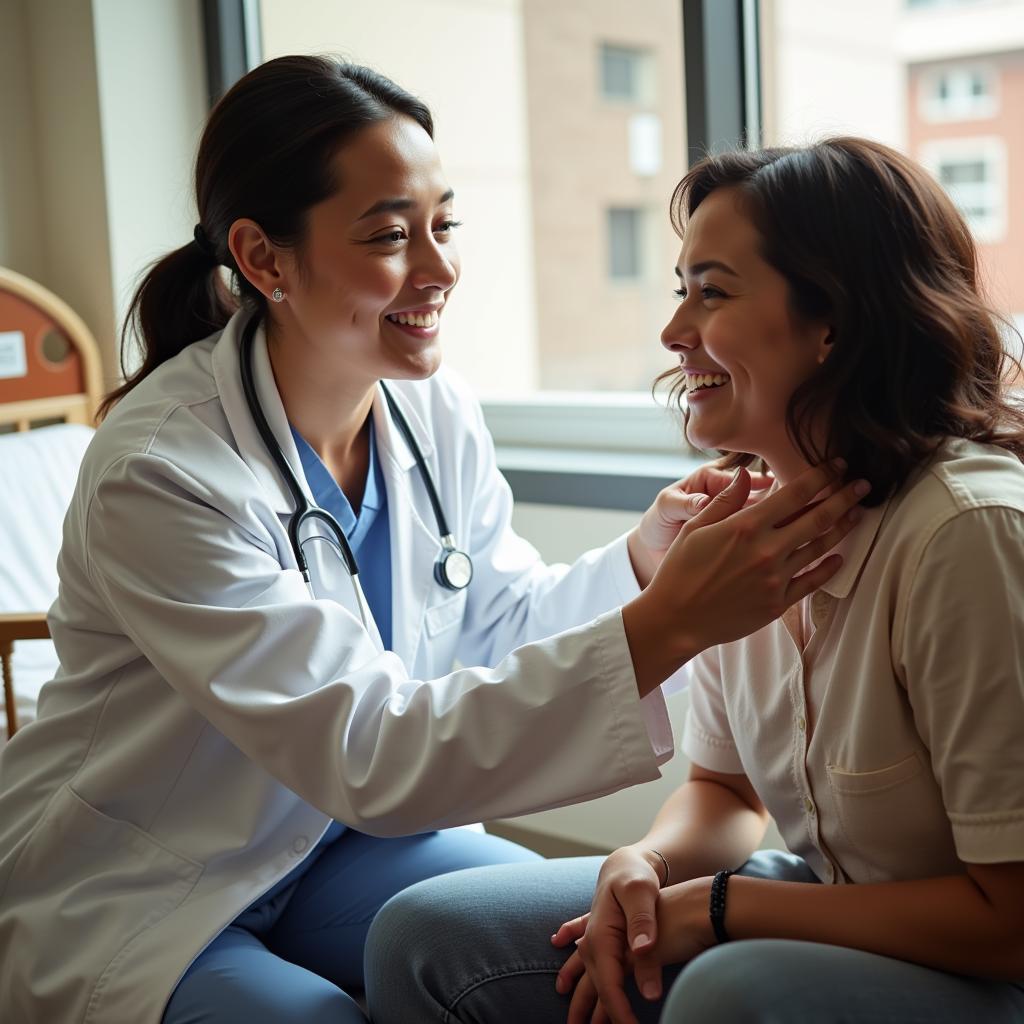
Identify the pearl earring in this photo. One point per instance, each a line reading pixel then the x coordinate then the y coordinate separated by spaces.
pixel 277 295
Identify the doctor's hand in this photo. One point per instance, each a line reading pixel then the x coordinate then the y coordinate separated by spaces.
pixel 675 505
pixel 732 570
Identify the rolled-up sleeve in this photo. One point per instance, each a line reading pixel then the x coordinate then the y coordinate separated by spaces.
pixel 707 736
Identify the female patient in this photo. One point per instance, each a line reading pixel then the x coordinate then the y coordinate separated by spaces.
pixel 829 306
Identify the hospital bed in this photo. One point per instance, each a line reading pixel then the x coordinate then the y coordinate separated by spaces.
pixel 50 385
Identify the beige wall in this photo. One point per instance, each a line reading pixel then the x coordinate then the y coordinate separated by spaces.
pixel 464 58
pixel 21 243
pixel 103 106
pixel 594 332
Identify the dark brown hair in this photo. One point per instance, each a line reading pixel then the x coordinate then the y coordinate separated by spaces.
pixel 265 154
pixel 869 243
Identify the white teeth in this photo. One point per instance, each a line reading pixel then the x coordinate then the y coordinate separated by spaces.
pixel 694 381
pixel 427 319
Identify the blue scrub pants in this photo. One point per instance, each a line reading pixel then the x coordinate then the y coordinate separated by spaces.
pixel 475 948
pixel 297 953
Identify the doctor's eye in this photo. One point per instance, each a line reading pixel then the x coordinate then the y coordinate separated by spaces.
pixel 446 227
pixel 392 237
pixel 679 293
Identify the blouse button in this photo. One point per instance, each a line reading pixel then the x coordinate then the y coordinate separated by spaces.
pixel 809 805
pixel 801 723
pixel 300 843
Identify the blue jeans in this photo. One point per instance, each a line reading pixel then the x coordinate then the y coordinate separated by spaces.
pixel 474 948
pixel 296 954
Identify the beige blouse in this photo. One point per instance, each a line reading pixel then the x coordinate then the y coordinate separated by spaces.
pixel 892 745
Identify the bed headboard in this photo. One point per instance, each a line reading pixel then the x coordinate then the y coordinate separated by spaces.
pixel 49 361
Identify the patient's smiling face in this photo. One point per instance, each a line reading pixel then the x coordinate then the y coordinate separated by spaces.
pixel 735 325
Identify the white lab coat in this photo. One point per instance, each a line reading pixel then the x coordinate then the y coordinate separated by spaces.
pixel 210 718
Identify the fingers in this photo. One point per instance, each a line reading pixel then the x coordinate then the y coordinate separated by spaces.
pixel 811 552
pixel 729 500
pixel 807 582
pixel 826 516
pixel 639 905
pixel 647 972
pixel 584 1001
pixel 572 970
pixel 570 931
pixel 795 496
pixel 605 968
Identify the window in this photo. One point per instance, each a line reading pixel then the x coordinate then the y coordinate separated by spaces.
pixel 958 93
pixel 916 76
pixel 625 244
pixel 561 130
pixel 625 74
pixel 972 171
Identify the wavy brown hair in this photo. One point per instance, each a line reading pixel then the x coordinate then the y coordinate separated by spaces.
pixel 869 243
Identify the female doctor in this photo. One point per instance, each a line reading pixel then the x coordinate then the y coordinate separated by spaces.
pixel 187 831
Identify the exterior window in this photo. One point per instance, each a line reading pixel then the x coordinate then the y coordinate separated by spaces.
pixel 625 244
pixel 584 109
pixel 973 172
pixel 625 74
pixel 958 93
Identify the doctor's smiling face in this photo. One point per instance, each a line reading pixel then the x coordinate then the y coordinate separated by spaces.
pixel 742 348
pixel 365 287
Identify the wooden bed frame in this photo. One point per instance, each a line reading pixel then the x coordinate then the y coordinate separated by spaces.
pixel 62 383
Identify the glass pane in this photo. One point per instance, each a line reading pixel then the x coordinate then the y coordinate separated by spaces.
pixel 625 228
pixel 539 156
pixel 619 73
pixel 936 80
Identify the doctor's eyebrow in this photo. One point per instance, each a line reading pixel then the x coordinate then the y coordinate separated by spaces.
pixel 698 268
pixel 399 205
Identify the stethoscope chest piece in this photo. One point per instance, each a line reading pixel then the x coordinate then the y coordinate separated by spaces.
pixel 454 569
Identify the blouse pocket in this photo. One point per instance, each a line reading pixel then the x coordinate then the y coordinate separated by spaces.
pixel 884 813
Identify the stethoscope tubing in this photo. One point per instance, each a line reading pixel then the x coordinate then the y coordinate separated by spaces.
pixel 305 510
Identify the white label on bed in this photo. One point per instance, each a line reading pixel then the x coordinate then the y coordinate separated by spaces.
pixel 12 354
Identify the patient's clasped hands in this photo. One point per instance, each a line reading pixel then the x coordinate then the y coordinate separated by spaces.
pixel 633 926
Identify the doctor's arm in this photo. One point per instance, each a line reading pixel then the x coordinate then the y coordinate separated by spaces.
pixel 515 598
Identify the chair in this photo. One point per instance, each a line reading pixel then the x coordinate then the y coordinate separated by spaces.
pixel 50 384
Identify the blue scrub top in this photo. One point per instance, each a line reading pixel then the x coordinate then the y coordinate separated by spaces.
pixel 370 539
pixel 367 533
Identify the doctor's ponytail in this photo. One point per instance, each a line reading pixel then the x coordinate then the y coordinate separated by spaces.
pixel 266 155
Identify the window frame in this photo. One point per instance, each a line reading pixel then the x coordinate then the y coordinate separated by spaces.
pixel 961 106
pixel 989 150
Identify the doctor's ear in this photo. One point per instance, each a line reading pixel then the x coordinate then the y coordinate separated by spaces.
pixel 257 258
pixel 825 345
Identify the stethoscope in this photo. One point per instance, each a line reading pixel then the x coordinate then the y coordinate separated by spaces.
pixel 453 569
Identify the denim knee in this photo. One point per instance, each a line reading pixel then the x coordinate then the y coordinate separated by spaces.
pixel 740 982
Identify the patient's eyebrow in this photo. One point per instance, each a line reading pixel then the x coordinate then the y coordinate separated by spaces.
pixel 699 268
pixel 400 204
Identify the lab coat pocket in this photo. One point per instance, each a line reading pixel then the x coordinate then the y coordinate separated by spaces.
pixel 882 813
pixel 80 865
pixel 446 615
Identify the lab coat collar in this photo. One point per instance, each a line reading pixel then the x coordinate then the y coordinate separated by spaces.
pixel 227 373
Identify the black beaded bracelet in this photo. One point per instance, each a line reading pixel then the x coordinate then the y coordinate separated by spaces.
pixel 717 909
